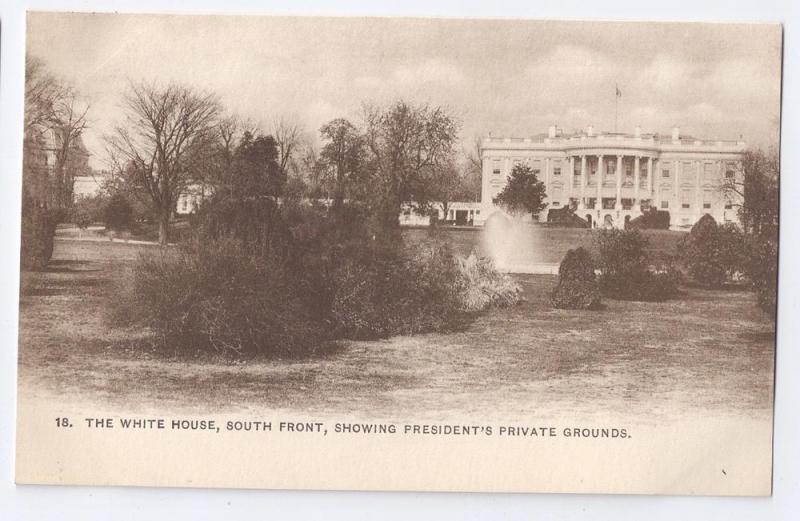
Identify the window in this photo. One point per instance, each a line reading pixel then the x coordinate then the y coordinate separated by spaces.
pixel 557 170
pixel 556 196
pixel 665 173
pixel 708 197
pixel 496 167
pixel 708 171
pixel 688 170
pixel 609 203
pixel 686 198
pixel 729 174
pixel 664 204
pixel 496 171
pixel 728 206
pixel 590 202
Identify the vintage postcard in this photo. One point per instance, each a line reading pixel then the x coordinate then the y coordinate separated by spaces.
pixel 398 254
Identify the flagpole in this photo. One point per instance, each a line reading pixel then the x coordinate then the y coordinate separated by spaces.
pixel 616 105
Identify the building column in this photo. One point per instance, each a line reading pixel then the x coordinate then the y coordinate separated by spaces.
pixel 571 177
pixel 583 181
pixel 698 187
pixel 650 177
pixel 636 166
pixel 675 180
pixel 618 204
pixel 547 174
pixel 599 203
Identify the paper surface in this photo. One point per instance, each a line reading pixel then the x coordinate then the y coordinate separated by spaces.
pixel 669 397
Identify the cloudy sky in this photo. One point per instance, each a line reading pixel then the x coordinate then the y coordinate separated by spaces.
pixel 507 78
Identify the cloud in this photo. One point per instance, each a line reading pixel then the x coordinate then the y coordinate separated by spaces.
pixel 571 63
pixel 665 75
pixel 319 112
pixel 432 71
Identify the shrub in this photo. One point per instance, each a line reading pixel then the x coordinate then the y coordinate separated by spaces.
pixel 37 234
pixel 81 218
pixel 381 291
pixel 88 209
pixel 221 299
pixel 665 279
pixel 576 294
pixel 698 250
pixel 763 272
pixel 482 286
pixel 118 213
pixel 577 264
pixel 651 219
pixel 712 254
pixel 577 287
pixel 262 278
pixel 625 271
pixel 565 217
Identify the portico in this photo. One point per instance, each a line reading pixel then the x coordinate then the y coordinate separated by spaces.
pixel 611 183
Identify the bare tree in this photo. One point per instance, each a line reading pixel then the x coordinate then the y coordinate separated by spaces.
pixel 68 124
pixel 288 134
pixel 450 183
pixel 408 144
pixel 473 169
pixel 752 187
pixel 52 153
pixel 343 154
pixel 154 145
pixel 42 92
pixel 214 163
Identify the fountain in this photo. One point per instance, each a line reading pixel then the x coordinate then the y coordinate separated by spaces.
pixel 513 245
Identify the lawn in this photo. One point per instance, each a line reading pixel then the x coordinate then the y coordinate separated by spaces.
pixel 707 352
pixel 551 243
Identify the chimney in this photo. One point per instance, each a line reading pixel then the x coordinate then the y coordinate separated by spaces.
pixel 551 132
pixel 590 130
pixel 637 132
pixel 676 133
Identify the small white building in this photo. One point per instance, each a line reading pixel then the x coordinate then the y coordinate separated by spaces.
pixel 458 213
pixel 191 198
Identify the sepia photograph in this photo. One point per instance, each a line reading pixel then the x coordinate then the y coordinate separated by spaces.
pixel 399 253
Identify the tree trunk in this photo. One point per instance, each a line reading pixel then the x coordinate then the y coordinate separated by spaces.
pixel 163 228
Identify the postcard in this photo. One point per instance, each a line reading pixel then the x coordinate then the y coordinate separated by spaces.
pixel 398 254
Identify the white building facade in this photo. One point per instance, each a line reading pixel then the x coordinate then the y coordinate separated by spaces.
pixel 611 178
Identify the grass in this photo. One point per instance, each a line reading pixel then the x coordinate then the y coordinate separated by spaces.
pixel 552 243
pixel 143 231
pixel 709 352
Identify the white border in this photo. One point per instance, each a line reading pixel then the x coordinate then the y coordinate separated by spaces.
pixel 31 502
